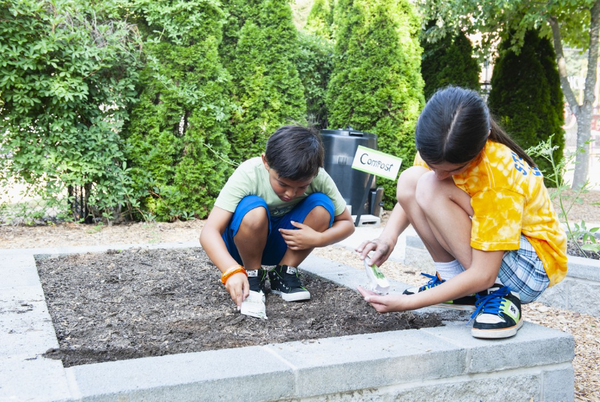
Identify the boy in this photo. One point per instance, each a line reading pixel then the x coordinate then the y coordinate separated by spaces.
pixel 274 210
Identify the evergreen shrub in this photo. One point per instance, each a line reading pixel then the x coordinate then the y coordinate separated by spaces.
pixel 176 138
pixel 449 61
pixel 266 85
pixel 376 84
pixel 526 96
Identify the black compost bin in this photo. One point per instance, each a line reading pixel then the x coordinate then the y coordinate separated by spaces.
pixel 340 146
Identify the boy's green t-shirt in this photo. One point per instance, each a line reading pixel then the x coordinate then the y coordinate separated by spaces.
pixel 251 178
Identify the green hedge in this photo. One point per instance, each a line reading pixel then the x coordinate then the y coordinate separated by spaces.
pixel 177 130
pixel 376 85
pixel 267 87
pixel 526 96
pixel 449 61
pixel 67 76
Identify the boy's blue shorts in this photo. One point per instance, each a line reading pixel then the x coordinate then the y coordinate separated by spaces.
pixel 276 246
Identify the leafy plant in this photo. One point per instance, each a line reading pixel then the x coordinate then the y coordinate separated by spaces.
pixel 449 61
pixel 67 77
pixel 314 64
pixel 582 236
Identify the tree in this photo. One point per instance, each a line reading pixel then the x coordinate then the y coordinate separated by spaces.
pixel 449 61
pixel 320 19
pixel 67 76
pixel 176 137
pixel 376 85
pixel 526 96
pixel 576 23
pixel 237 13
pixel 267 87
pixel 315 64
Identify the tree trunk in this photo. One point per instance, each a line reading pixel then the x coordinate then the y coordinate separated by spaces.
pixel 582 156
pixel 583 112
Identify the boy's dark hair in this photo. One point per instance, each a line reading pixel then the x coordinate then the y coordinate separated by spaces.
pixel 454 125
pixel 295 152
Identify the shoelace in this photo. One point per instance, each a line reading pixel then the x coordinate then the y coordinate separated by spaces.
pixel 433 281
pixel 491 303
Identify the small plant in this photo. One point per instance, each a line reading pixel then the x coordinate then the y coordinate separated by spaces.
pixel 95 229
pixel 582 236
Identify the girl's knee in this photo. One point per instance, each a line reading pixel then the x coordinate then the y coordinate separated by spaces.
pixel 427 189
pixel 407 184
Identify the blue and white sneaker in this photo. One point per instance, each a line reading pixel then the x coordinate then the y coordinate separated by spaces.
pixel 462 303
pixel 434 280
pixel 497 315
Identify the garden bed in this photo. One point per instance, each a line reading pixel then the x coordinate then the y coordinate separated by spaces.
pixel 437 363
pixel 136 303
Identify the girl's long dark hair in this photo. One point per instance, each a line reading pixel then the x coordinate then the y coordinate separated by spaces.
pixel 454 125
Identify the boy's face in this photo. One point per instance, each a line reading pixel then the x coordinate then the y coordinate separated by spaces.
pixel 286 189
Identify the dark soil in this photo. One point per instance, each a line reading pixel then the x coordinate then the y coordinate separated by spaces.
pixel 575 251
pixel 138 303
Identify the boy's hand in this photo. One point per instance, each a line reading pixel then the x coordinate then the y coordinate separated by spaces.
pixel 238 288
pixel 301 238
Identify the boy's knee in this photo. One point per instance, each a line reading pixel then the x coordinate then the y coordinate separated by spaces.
pixel 320 210
pixel 255 219
pixel 318 218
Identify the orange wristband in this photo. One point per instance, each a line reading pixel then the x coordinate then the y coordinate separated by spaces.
pixel 232 271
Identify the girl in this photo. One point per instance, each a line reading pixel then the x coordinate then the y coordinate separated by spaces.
pixel 479 204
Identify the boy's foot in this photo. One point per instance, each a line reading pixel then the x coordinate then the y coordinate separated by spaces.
pixel 285 281
pixel 462 303
pixel 497 314
pixel 256 279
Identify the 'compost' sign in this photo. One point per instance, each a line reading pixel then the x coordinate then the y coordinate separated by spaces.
pixel 371 161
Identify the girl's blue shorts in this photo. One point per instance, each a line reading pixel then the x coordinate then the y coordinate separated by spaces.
pixel 276 246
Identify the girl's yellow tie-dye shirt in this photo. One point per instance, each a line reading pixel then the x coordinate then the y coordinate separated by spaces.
pixel 509 198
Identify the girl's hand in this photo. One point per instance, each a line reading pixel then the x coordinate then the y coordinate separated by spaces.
pixel 384 304
pixel 301 238
pixel 381 250
pixel 238 287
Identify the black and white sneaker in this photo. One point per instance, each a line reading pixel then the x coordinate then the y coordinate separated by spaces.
pixel 285 281
pixel 256 279
pixel 497 315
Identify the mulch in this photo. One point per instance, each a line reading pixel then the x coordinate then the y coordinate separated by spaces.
pixel 136 303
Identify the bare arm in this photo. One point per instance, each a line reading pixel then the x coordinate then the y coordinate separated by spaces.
pixel 343 226
pixel 383 246
pixel 481 276
pixel 212 242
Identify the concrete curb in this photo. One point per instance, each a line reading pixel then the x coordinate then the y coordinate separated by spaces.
pixel 443 363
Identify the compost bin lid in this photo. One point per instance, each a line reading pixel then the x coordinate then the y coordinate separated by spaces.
pixel 348 131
